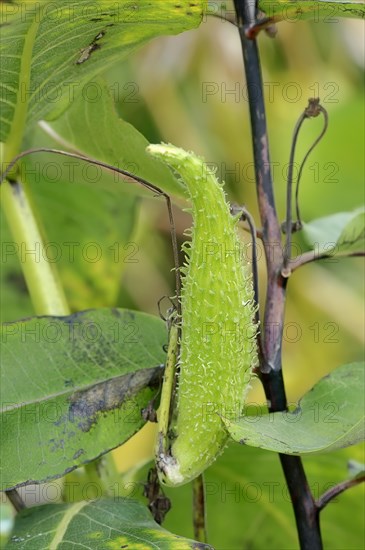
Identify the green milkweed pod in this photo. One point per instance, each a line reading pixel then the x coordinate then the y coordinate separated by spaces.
pixel 217 347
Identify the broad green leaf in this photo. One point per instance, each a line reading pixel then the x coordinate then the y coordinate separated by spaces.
pixel 338 234
pixel 94 129
pixel 316 10
pixel 114 524
pixel 50 51
pixel 330 416
pixel 248 504
pixel 72 388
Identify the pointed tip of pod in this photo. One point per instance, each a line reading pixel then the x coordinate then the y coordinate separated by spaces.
pixel 166 151
pixel 176 158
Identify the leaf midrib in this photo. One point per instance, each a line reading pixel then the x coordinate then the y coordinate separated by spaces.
pixel 64 523
pixel 69 392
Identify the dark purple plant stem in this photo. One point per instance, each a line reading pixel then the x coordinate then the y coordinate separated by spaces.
pixel 305 510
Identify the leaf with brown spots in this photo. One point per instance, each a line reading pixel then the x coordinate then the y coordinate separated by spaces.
pixel 73 388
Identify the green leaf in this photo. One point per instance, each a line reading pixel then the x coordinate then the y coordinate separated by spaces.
pixel 330 416
pixel 114 524
pixel 316 10
pixel 73 388
pixel 110 139
pixel 352 238
pixel 52 51
pixel 338 234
